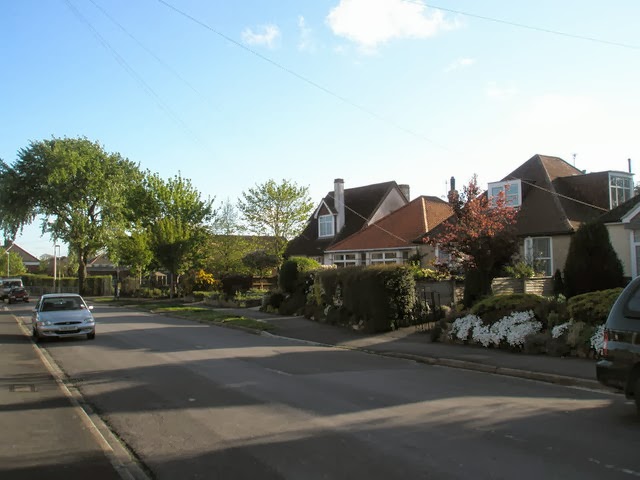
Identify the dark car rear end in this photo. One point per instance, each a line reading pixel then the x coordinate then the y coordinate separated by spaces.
pixel 620 364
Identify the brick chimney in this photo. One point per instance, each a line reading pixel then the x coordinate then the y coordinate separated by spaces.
pixel 338 201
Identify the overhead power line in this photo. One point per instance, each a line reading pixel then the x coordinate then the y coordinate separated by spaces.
pixel 304 79
pixel 138 78
pixel 153 54
pixel 528 27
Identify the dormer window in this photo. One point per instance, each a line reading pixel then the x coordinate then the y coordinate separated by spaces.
pixel 620 188
pixel 325 226
pixel 512 190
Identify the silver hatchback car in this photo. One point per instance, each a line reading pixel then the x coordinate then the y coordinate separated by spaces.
pixel 62 315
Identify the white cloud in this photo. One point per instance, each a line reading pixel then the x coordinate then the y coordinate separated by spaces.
pixel 305 43
pixel 370 23
pixel 460 63
pixel 495 91
pixel 266 35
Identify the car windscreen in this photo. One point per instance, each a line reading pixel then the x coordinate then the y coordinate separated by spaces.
pixel 55 304
pixel 632 303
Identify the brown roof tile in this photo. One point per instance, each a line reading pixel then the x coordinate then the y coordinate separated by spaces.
pixel 400 227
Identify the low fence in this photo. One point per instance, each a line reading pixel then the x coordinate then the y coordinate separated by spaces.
pixel 449 292
pixel 537 285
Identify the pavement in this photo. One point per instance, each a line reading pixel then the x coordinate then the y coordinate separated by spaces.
pixel 415 344
pixel 45 431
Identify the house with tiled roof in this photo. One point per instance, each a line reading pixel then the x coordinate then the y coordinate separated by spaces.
pixel 30 261
pixel 553 199
pixel 343 212
pixel 391 239
pixel 623 224
pixel 102 265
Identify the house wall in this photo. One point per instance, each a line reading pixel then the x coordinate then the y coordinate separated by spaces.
pixel 619 237
pixel 427 255
pixel 560 245
pixel 393 201
pixel 559 250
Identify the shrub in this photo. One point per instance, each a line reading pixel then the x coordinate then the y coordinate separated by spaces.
pixel 273 300
pixel 592 308
pixel 582 276
pixel 204 281
pixel 579 337
pixel 292 304
pixel 520 270
pixel 232 284
pixel 463 327
pixel 558 284
pixel 290 276
pixel 536 343
pixel 377 298
pixel 493 308
pixel 558 347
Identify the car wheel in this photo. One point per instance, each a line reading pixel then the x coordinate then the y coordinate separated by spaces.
pixel 36 337
pixel 91 336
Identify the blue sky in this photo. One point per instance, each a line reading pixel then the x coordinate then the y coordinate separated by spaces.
pixel 390 89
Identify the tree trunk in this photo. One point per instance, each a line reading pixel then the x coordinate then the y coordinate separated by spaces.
pixel 477 285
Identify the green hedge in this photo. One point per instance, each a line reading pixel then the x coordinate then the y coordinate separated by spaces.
pixel 292 272
pixel 493 308
pixel 377 298
pixel 592 308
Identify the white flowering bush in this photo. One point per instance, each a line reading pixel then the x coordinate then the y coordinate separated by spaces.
pixel 512 329
pixel 559 330
pixel 482 335
pixel 597 339
pixel 462 326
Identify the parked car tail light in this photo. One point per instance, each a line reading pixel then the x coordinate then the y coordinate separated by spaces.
pixel 605 343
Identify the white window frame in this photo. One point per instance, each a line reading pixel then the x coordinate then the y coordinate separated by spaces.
pixel 616 191
pixel 511 200
pixel 442 257
pixel 322 220
pixel 531 258
pixel 634 242
pixel 386 258
pixel 345 259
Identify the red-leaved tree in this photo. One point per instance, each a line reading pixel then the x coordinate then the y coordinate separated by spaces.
pixel 480 234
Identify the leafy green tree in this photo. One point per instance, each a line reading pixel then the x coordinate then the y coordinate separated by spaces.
pixel 227 245
pixel 16 266
pixel 133 251
pixel 75 186
pixel 177 221
pixel 592 263
pixel 260 262
pixel 276 210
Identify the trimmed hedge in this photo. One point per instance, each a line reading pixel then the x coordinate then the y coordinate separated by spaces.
pixel 492 309
pixel 375 298
pixel 592 308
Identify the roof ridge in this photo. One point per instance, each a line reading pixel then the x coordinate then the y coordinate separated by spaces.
pixel 552 190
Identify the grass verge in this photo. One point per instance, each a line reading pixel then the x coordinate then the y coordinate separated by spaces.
pixel 203 314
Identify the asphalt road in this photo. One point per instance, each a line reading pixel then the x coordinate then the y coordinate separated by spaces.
pixel 195 401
